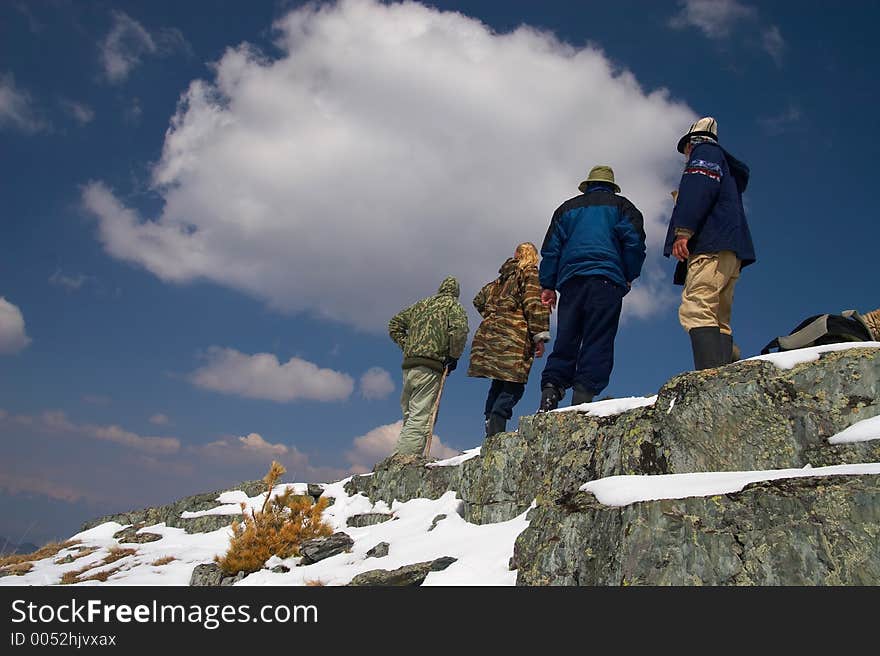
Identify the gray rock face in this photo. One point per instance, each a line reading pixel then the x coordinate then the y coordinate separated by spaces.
pixel 131 534
pixel 210 574
pixel 379 551
pixel 392 481
pixel 750 415
pixel 807 531
pixel 171 513
pixel 368 519
pixel 436 520
pixel 318 549
pixel 403 576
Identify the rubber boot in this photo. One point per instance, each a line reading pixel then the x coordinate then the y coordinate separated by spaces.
pixel 579 394
pixel 726 348
pixel 550 397
pixel 706 345
pixel 496 424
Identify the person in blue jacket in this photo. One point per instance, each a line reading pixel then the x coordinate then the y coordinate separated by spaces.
pixel 709 235
pixel 593 250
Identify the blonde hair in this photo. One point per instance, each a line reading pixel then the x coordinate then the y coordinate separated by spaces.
pixel 527 254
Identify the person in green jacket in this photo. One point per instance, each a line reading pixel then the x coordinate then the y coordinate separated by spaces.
pixel 432 334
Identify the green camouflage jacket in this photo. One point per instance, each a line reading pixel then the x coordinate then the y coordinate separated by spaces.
pixel 431 329
pixel 513 320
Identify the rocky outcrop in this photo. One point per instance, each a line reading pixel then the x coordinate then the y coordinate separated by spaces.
pixel 806 531
pixel 747 416
pixel 210 574
pixel 171 513
pixel 368 519
pixel 408 575
pixel 402 481
pixel 318 549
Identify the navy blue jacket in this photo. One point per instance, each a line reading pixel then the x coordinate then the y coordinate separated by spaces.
pixel 710 204
pixel 598 233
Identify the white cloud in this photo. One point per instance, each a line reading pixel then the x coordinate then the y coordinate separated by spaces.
pixel 773 43
pixel 380 152
pixel 70 282
pixel 159 420
pixel 376 383
pixel 16 107
pixel 715 18
pixel 124 46
pixel 379 443
pixel 128 42
pixel 79 111
pixel 262 376
pixel 782 122
pixel 57 421
pixel 13 337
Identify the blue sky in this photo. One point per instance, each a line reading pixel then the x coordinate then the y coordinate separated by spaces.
pixel 201 241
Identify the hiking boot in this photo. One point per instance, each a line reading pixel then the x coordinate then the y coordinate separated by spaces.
pixel 495 424
pixel 706 345
pixel 726 348
pixel 550 397
pixel 580 394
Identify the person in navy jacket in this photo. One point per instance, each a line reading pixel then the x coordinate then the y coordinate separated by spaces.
pixel 593 250
pixel 709 235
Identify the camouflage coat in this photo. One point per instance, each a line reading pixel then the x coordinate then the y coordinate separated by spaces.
pixel 513 317
pixel 431 329
pixel 873 321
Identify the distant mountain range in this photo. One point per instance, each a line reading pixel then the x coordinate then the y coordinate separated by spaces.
pixel 8 547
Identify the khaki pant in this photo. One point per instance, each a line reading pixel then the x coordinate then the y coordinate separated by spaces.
pixel 420 388
pixel 707 298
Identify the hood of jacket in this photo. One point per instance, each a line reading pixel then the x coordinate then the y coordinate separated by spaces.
pixel 508 268
pixel 449 287
pixel 739 170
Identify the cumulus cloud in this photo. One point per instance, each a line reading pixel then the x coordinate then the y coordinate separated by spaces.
pixel 13 337
pixel 79 111
pixel 262 376
pixel 58 422
pixel 16 483
pixel 159 420
pixel 17 108
pixel 128 42
pixel 379 443
pixel 380 152
pixel 376 383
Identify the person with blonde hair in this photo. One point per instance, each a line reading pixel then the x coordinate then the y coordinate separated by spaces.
pixel 513 332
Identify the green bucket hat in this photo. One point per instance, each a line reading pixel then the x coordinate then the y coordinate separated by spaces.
pixel 600 174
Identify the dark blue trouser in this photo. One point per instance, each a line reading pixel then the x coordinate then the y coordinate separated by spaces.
pixel 583 353
pixel 503 395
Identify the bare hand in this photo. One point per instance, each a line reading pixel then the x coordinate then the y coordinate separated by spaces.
pixel 680 249
pixel 548 298
pixel 539 349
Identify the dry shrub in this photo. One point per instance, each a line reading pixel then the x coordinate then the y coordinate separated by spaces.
pixel 163 561
pixel 277 529
pixel 46 551
pixel 76 575
pixel 18 568
pixel 85 551
pixel 315 583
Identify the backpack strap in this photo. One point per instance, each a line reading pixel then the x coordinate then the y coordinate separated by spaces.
pixel 806 335
pixel 852 314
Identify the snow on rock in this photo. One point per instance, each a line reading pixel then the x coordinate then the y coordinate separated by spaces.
pixel 790 359
pixel 456 460
pixel 624 490
pixel 611 407
pixel 862 431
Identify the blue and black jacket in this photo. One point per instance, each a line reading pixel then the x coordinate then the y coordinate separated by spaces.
pixel 598 233
pixel 710 204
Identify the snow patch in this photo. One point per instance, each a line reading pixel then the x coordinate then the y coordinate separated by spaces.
pixel 611 407
pixel 456 460
pixel 624 490
pixel 862 431
pixel 790 359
